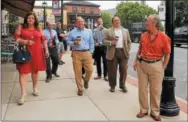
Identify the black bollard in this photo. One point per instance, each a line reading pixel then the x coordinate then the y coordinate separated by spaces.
pixel 168 105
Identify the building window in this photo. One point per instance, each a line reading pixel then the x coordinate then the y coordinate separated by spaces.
pixel 74 9
pixel 92 10
pixel 83 10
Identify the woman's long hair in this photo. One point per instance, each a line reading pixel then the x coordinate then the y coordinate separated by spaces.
pixel 36 23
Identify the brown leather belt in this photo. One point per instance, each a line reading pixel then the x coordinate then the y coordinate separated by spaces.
pixel 119 48
pixel 81 50
pixel 148 61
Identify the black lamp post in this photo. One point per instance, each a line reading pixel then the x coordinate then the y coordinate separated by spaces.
pixel 62 14
pixel 44 4
pixel 169 106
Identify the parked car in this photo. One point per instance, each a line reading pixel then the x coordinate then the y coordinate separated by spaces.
pixel 137 29
pixel 181 35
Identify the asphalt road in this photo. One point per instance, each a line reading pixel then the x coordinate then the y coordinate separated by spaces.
pixel 180 69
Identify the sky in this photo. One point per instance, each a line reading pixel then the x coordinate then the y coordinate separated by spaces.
pixel 104 5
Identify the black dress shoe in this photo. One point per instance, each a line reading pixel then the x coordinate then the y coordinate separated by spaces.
pixel 86 85
pixel 112 89
pixel 48 80
pixel 124 90
pixel 56 75
pixel 62 62
pixel 106 78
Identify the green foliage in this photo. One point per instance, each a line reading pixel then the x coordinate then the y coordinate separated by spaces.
pixel 181 12
pixel 106 17
pixel 133 12
pixel 161 28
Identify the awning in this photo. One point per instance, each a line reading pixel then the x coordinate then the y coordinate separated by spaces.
pixel 18 7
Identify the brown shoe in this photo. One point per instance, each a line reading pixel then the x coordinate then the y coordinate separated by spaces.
pixel 80 92
pixel 97 78
pixel 156 118
pixel 141 115
pixel 86 85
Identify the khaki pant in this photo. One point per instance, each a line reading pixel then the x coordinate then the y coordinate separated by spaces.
pixel 150 74
pixel 82 59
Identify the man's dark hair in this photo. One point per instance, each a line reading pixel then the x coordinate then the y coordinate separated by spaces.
pixel 99 18
pixel 114 17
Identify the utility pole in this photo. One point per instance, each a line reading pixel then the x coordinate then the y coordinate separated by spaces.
pixel 61 14
pixel 44 4
pixel 169 106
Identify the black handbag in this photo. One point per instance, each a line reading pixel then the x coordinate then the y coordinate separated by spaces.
pixel 21 55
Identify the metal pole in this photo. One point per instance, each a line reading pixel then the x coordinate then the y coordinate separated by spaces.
pixel 44 14
pixel 169 106
pixel 61 14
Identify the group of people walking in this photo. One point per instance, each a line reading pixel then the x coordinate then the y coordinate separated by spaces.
pixel 113 45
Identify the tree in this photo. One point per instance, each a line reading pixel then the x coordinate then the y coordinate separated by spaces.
pixel 106 17
pixel 181 12
pixel 133 12
pixel 161 27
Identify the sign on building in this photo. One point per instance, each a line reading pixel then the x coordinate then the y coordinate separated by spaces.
pixel 162 11
pixel 56 7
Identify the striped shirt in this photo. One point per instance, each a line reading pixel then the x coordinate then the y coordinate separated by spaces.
pixel 98 35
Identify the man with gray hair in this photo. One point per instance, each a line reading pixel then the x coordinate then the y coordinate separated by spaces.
pixel 150 66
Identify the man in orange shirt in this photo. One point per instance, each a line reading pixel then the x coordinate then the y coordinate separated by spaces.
pixel 154 45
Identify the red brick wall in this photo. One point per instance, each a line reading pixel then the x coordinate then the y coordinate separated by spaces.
pixel 69 9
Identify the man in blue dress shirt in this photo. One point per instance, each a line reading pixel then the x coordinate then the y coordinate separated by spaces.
pixel 82 43
pixel 52 41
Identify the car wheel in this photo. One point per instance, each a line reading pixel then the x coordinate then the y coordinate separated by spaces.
pixel 178 45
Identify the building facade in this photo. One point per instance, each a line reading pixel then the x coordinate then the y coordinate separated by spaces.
pixel 162 12
pixel 39 10
pixel 50 16
pixel 9 22
pixel 89 11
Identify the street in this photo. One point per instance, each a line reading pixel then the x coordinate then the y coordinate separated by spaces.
pixel 180 68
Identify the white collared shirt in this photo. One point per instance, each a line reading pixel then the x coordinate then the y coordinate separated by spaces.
pixel 118 32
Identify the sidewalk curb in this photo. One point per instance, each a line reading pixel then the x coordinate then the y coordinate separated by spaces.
pixel 181 103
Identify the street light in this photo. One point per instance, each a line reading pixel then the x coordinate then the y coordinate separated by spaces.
pixel 169 106
pixel 62 14
pixel 44 5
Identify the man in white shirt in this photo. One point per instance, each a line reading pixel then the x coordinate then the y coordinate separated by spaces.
pixel 118 42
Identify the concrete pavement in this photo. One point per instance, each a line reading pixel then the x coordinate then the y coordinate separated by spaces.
pixel 58 99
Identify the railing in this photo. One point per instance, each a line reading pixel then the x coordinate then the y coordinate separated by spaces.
pixel 7 43
pixel 8 29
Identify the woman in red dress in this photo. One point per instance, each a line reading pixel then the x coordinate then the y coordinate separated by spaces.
pixel 31 35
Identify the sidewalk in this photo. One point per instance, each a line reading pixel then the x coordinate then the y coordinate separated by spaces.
pixel 58 99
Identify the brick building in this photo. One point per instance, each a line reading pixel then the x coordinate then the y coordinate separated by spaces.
pixel 39 10
pixel 89 11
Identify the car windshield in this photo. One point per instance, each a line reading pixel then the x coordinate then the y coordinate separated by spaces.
pixel 181 30
pixel 184 29
pixel 177 30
